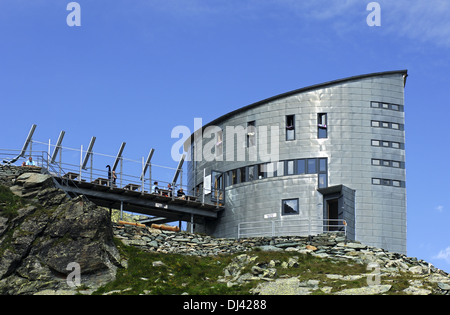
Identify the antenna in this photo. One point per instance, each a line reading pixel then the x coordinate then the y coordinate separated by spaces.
pixel 88 153
pixel 147 163
pixel 119 155
pixel 58 146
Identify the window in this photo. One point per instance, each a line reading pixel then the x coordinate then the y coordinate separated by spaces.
pixel 290 127
pixel 289 168
pixel 234 179
pixel 219 144
pixel 251 134
pixel 322 126
pixel 312 166
pixel 289 207
pixel 251 173
pixel 262 170
pixel 301 167
pixel 323 173
pixel 242 176
pixel 280 169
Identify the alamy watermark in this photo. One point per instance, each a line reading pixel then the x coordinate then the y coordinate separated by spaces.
pixel 74 17
pixel 374 17
pixel 249 143
pixel 73 279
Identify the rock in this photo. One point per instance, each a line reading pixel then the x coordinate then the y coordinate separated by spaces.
pixel 444 286
pixel 290 286
pixel 310 247
pixel 158 263
pixel 370 290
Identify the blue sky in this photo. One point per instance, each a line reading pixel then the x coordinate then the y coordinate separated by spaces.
pixel 135 69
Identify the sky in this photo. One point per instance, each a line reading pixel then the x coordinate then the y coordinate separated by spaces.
pixel 133 70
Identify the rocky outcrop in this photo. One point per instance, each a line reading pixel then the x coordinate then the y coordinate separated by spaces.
pixel 422 278
pixel 48 235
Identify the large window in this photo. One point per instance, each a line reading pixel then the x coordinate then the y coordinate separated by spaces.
pixel 290 127
pixel 289 207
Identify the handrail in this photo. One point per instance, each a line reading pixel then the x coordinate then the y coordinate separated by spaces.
pixel 302 226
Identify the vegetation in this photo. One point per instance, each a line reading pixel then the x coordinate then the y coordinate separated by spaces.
pixel 9 203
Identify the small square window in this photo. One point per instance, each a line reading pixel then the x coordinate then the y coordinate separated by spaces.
pixel 395 126
pixel 375 104
pixel 385 106
pixel 386 163
pixel 385 124
pixel 376 181
pixel 396 164
pixel 386 144
pixel 396 145
pixel 376 162
pixel 395 107
pixel 290 207
pixel 396 183
pixel 375 123
pixel 375 143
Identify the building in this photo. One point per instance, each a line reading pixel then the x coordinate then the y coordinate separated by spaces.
pixel 322 158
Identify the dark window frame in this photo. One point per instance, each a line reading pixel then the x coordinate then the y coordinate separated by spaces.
pixel 295 212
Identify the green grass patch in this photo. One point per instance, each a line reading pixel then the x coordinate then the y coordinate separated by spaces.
pixel 9 203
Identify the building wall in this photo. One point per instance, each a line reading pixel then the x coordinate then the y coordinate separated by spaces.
pixel 356 121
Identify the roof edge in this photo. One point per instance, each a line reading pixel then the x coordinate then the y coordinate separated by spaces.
pixel 302 90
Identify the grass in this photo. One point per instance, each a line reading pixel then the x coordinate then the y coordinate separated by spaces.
pixel 9 203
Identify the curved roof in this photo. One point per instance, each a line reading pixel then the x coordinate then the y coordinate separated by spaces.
pixel 302 90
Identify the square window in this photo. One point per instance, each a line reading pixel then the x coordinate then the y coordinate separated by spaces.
pixel 376 181
pixel 376 162
pixel 396 164
pixel 396 183
pixel 395 126
pixel 289 207
pixel 396 145
pixel 385 124
pixel 386 144
pixel 386 163
pixel 395 107
pixel 385 106
pixel 375 104
pixel 375 123
pixel 375 143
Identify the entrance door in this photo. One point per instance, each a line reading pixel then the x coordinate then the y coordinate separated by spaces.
pixel 332 215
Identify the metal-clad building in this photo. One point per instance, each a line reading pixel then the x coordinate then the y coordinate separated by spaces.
pixel 321 158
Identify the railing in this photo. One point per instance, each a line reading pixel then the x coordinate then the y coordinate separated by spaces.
pixel 290 227
pixel 71 168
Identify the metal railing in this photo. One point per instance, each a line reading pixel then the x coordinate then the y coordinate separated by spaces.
pixel 291 227
pixel 71 168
